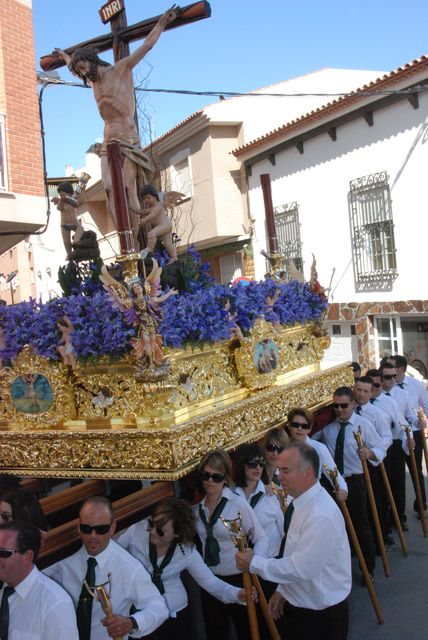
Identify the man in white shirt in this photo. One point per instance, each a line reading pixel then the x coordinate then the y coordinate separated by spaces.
pixel 32 605
pixel 417 398
pixel 101 561
pixel 395 461
pixel 314 574
pixel 338 436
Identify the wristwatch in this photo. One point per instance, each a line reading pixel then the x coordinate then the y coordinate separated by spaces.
pixel 134 625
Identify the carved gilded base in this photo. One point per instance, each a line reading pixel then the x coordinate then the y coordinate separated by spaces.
pixel 89 449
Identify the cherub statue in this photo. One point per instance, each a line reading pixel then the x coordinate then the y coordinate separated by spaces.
pixel 67 203
pixel 314 283
pixel 269 314
pixel 139 300
pixel 154 211
pixel 65 348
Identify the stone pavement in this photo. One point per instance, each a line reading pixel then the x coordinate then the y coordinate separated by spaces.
pixel 403 596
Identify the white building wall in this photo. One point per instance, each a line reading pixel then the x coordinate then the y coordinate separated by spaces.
pixel 319 181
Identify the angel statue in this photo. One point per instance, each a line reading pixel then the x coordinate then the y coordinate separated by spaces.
pixel 138 299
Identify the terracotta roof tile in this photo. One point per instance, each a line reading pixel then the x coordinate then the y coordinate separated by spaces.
pixel 388 79
pixel 193 116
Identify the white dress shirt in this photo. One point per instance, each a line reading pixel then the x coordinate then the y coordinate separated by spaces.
pixel 315 571
pixel 417 398
pixel 394 417
pixel 41 610
pixel 376 418
pixel 401 397
pixel 269 514
pixel 185 557
pixel 326 459
pixel 234 506
pixel 351 461
pixel 130 585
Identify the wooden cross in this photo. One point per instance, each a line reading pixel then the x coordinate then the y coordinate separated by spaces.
pixel 121 35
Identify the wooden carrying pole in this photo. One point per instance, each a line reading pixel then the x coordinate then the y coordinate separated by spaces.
pixel 350 527
pixel 394 511
pixel 423 422
pixel 238 538
pixel 379 535
pixel 416 479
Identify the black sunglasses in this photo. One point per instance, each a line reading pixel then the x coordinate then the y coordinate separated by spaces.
pixel 342 405
pixel 7 553
pixel 151 524
pixel 216 477
pixel 274 447
pixel 253 463
pixel 299 425
pixel 377 385
pixel 100 529
pixel 389 376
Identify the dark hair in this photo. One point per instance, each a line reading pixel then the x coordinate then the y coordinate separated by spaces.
pixel 102 500
pixel 374 373
pixel 308 456
pixel 366 380
pixel 387 360
pixel 149 190
pixel 67 187
pixel 9 482
pixel 386 365
pixel 26 507
pixel 400 361
pixel 355 367
pixel 181 514
pixel 344 391
pixel 304 413
pixel 86 54
pixel 243 453
pixel 219 460
pixel 28 535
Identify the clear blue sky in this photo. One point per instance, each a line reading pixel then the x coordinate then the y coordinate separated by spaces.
pixel 243 46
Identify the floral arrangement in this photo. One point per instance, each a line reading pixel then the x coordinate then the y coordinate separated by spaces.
pixel 199 314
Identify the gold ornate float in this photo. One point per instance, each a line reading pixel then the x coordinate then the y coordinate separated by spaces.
pixel 99 421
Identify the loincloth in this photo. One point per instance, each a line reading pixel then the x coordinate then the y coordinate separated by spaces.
pixel 132 150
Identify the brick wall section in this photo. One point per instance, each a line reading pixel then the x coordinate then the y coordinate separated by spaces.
pixel 18 99
pixel 362 315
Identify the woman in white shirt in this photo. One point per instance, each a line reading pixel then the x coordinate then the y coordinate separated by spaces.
pixel 164 545
pixel 272 445
pixel 299 425
pixel 218 549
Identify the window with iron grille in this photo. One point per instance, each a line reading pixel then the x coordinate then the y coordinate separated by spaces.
pixel 288 232
pixel 372 233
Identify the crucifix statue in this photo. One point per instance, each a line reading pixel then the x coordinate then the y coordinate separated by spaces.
pixel 124 165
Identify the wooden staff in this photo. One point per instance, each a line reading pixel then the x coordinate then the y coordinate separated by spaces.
pixel 395 515
pixel 238 538
pixel 100 594
pixel 281 495
pixel 422 420
pixel 416 479
pixel 386 569
pixel 350 527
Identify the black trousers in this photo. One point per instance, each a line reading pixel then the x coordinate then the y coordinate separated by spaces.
pixel 357 506
pixel 417 437
pixel 395 465
pixel 381 500
pixel 299 623
pixel 174 628
pixel 216 614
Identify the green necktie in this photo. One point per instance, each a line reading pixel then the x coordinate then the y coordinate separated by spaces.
pixel 254 500
pixel 358 410
pixel 4 612
pixel 212 547
pixel 340 447
pixel 400 384
pixel 287 521
pixel 157 570
pixel 84 606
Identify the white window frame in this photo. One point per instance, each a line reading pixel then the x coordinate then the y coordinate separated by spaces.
pixel 175 160
pixel 397 338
